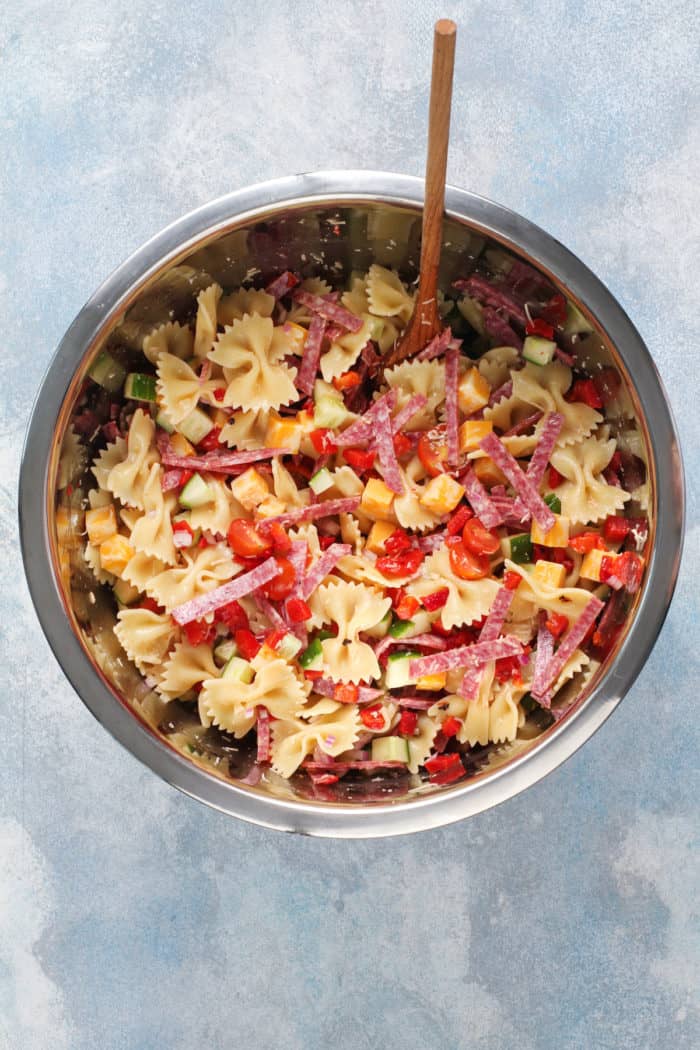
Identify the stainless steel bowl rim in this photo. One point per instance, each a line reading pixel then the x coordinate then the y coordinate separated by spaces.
pixel 375 820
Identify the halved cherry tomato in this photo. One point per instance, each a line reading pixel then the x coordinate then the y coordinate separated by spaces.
pixel 405 563
pixel 211 441
pixel 359 458
pixel 346 693
pixel 477 538
pixel 467 565
pixel 244 539
pixel 280 586
pixel 372 717
pixel 432 450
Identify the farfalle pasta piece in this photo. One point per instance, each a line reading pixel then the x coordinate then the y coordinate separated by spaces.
pixel 127 480
pixel 468 600
pixel 420 744
pixel 355 298
pixel 233 307
pixel 171 338
pixel 409 511
pixel 387 295
pixel 246 430
pixel 301 314
pixel 153 532
pixel 350 532
pixel 361 569
pixel 179 388
pixel 285 487
pixel 145 636
pixel 107 460
pixel 186 666
pixel 354 608
pixel 496 365
pixel 232 705
pixel 204 569
pixel 206 322
pixel 543 387
pixel 309 534
pixel 575 664
pixel 418 377
pixel 344 352
pixel 216 515
pixel 534 595
pixel 333 733
pixel 92 558
pixel 585 494
pixel 250 352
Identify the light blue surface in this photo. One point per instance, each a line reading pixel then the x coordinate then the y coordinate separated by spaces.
pixel 132 918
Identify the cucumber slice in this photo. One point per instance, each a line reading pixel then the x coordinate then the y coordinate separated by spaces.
pixel 196 493
pixel 390 749
pixel 238 670
pixel 420 623
pixel 553 502
pixel 107 372
pixel 517 548
pixel 321 480
pixel 401 628
pixel 140 387
pixel 289 647
pixel 397 673
pixel 537 350
pixel 196 426
pixel 380 629
pixel 224 651
pixel 164 423
pixel 330 412
pixel 576 323
pixel 312 657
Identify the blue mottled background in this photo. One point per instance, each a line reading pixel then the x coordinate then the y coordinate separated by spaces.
pixel 132 917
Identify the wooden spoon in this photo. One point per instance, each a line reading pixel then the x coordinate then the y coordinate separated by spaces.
pixel 425 322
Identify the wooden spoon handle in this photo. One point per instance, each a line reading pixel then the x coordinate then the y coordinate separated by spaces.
pixel 436 164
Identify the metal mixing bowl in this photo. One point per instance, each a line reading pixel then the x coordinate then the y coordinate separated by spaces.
pixel 336 222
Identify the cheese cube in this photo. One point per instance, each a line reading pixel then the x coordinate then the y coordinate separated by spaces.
pixel 270 508
pixel 181 445
pixel 473 391
pixel 378 535
pixel 590 566
pixel 101 523
pixel 488 473
pixel 471 432
pixel 558 535
pixel 432 681
pixel 442 494
pixel 250 488
pixel 284 433
pixel 115 554
pixel 68 526
pixel 377 499
pixel 549 573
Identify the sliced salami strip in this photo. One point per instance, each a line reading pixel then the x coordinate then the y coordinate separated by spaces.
pixel 316 574
pixel 499 329
pixel 524 425
pixel 451 408
pixel 221 462
pixel 282 284
pixel 541 456
pixel 413 405
pixel 413 703
pixel 488 293
pixel 171 480
pixel 572 639
pixel 465 656
pixel 564 357
pixel 363 429
pixel 368 765
pixel 204 372
pixel 543 655
pixel 306 375
pixel 267 609
pixel 469 687
pixel 297 556
pixel 330 311
pixel 484 508
pixel 239 587
pixel 327 509
pixel 423 641
pixel 384 441
pixel 438 345
pixel 263 733
pixel 505 390
pixel 539 510
pixel 432 542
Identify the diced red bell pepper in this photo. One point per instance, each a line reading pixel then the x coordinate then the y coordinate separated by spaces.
pixel 584 390
pixel 346 693
pixel 616 528
pixel 248 645
pixel 511 580
pixel 555 311
pixel 458 520
pixel 451 726
pixel 407 607
pixel 325 542
pixel 346 381
pixel 508 667
pixel 312 675
pixel 405 563
pixel 298 610
pixel 587 542
pixel 359 458
pixel 211 442
pixel 372 717
pixel 198 632
pixel 436 599
pixel 273 639
pixel 233 616
pixel 538 326
pixel 397 541
pixel 443 769
pixel 220 393
pixel 402 445
pixel 554 478
pixel 322 442
pixel 151 604
pixel 408 723
pixel 556 624
pixel 182 534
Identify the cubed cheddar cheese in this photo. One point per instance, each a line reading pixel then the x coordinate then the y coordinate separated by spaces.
pixel 378 535
pixel 442 494
pixel 473 391
pixel 68 526
pixel 590 566
pixel 488 473
pixel 284 433
pixel 377 500
pixel 270 508
pixel 181 446
pixel 250 489
pixel 430 682
pixel 558 535
pixel 549 573
pixel 101 523
pixel 471 432
pixel 115 554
